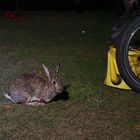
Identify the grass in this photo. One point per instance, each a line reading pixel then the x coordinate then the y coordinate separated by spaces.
pixel 91 111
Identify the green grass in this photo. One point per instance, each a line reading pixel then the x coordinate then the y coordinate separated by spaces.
pixel 93 111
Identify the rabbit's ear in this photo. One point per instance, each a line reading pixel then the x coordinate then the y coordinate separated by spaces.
pixel 47 71
pixel 57 68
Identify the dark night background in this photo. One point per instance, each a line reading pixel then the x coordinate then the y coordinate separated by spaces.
pixel 58 4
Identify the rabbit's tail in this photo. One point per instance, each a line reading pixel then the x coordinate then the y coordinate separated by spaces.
pixel 7 96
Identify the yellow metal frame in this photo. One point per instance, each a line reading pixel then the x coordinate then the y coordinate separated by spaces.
pixel 113 77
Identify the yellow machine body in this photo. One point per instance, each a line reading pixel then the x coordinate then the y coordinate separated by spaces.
pixel 113 77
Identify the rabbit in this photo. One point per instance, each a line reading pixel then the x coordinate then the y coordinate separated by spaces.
pixel 32 89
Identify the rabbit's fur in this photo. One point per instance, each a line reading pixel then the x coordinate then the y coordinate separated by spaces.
pixel 32 89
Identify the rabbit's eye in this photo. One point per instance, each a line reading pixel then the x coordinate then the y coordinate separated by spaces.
pixel 54 82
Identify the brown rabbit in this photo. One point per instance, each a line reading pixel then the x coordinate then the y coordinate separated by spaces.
pixel 31 89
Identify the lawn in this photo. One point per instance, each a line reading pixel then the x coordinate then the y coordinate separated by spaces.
pixel 89 110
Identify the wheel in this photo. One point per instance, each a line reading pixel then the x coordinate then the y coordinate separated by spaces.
pixel 129 43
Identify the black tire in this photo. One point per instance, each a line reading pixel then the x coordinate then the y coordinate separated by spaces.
pixel 121 23
pixel 129 31
pixel 118 26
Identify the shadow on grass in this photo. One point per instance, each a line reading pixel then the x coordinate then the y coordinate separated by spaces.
pixel 64 95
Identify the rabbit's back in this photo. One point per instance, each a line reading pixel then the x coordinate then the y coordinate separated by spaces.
pixel 27 86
